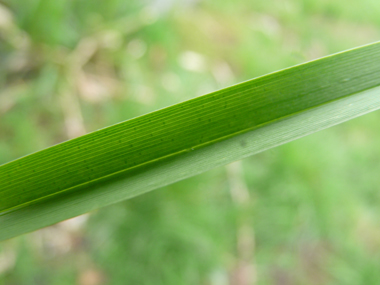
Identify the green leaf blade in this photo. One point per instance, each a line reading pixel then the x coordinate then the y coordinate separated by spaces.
pixel 165 146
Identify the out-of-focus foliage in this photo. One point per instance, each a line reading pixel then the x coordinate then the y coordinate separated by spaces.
pixel 305 213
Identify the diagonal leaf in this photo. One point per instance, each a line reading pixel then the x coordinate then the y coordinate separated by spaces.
pixel 159 148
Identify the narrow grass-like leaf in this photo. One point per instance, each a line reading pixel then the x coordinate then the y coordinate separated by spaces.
pixel 147 152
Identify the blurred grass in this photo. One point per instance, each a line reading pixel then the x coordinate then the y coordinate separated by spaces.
pixel 304 213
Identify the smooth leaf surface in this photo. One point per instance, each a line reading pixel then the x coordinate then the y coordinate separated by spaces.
pixel 157 149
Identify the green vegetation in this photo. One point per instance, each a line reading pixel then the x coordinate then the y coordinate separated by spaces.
pixel 304 213
pixel 163 147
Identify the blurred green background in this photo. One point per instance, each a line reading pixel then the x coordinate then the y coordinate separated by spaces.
pixel 307 212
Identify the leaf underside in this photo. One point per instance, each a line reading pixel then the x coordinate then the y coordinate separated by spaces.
pixel 165 146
